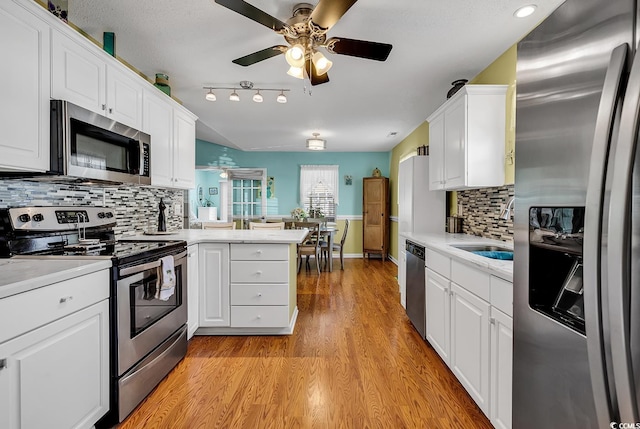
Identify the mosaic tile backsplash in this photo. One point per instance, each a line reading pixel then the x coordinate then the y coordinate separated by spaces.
pixel 135 207
pixel 481 212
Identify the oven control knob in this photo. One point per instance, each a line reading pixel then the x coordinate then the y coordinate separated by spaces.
pixel 24 218
pixel 109 215
pixel 38 217
pixel 101 215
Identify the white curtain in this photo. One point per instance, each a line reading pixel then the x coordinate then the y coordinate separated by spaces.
pixel 318 176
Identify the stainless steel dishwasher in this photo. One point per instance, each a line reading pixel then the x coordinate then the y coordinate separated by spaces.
pixel 416 287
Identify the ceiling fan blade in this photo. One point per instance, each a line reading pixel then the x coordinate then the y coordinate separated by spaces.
pixel 328 12
pixel 359 48
pixel 314 77
pixel 253 13
pixel 262 55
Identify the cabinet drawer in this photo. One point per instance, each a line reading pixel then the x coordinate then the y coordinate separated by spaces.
pixel 257 252
pixel 259 316
pixel 439 263
pixel 473 280
pixel 502 295
pixel 26 311
pixel 259 271
pixel 260 294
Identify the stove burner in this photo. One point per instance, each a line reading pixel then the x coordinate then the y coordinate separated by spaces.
pixel 86 247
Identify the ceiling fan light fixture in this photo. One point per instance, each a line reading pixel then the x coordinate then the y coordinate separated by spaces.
pixel 525 11
pixel 316 143
pixel 321 62
pixel 281 98
pixel 210 96
pixel 296 72
pixel 234 96
pixel 257 97
pixel 295 56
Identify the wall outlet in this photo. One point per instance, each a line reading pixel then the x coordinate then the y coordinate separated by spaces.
pixel 177 209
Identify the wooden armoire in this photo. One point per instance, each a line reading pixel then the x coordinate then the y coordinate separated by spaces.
pixel 375 216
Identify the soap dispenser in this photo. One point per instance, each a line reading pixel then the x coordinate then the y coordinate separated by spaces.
pixel 162 222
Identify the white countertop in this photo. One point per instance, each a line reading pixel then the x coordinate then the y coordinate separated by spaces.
pixel 444 243
pixel 22 275
pixel 194 236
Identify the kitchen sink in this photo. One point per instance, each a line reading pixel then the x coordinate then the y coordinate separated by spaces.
pixel 487 251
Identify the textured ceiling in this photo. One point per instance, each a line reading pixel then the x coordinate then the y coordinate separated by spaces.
pixel 194 41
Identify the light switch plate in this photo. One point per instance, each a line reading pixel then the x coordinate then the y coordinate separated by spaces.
pixel 177 209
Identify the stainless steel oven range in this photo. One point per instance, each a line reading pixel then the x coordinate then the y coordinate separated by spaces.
pixel 148 312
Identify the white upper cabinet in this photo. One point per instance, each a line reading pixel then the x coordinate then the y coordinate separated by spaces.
pixel 467 139
pixel 24 110
pixel 84 77
pixel 173 141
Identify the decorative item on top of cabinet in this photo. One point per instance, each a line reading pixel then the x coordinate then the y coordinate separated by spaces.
pixel 457 84
pixel 376 172
pixel 467 139
pixel 162 83
pixel 375 216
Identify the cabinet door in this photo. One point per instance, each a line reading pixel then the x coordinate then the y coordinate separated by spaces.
pixel 373 215
pixel 57 376
pixel 438 318
pixel 124 98
pixel 77 75
pixel 501 369
pixel 455 143
pixel 184 151
pixel 157 121
pixel 436 153
pixel 24 110
pixel 193 276
pixel 405 196
pixel 470 344
pixel 214 285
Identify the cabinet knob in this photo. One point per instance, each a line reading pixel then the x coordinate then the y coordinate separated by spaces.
pixel 3 363
pixel 259 293
pixel 259 252
pixel 259 317
pixel 492 321
pixel 110 110
pixel 258 272
pixel 65 299
pixel 104 107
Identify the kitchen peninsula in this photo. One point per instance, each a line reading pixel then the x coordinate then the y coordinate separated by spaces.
pixel 240 282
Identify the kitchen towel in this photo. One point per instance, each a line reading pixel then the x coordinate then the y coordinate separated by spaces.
pixel 167 279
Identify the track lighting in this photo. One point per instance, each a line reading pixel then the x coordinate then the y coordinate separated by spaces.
pixel 245 85
pixel 210 96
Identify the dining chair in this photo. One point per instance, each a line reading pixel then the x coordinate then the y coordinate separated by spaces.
pixel 328 253
pixel 268 225
pixel 218 225
pixel 310 247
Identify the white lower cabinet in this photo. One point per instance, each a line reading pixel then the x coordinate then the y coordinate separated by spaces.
pixel 469 326
pixel 259 285
pixel 193 276
pixel 501 368
pixel 470 344
pixel 437 309
pixel 56 375
pixel 214 285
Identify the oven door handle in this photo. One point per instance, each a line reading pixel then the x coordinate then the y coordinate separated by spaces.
pixel 144 267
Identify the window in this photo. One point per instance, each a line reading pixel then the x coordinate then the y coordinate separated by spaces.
pixel 248 192
pixel 319 189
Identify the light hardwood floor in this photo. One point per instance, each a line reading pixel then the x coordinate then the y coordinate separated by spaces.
pixel 354 361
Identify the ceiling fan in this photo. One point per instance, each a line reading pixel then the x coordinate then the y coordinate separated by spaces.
pixel 305 32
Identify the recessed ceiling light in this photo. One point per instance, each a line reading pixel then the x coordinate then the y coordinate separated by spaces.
pixel 525 11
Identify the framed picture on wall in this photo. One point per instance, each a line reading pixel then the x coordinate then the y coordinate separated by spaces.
pixel 213 191
pixel 348 180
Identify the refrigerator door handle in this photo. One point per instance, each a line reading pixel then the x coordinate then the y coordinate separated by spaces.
pixel 594 284
pixel 619 249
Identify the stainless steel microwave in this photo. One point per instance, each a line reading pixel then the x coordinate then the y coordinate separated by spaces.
pixel 90 146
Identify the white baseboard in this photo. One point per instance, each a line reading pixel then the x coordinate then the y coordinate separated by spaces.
pixel 252 331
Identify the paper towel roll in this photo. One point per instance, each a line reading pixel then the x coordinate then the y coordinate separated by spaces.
pixel 207 213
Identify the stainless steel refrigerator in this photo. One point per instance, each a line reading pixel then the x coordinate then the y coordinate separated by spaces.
pixel 577 219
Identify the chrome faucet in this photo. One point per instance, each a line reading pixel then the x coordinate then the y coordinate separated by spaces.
pixel 505 214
